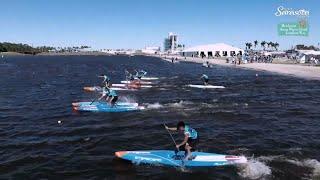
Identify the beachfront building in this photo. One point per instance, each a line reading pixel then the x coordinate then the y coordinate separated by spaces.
pixel 212 50
pixel 171 42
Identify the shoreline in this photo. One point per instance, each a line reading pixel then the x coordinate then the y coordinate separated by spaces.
pixel 57 54
pixel 295 70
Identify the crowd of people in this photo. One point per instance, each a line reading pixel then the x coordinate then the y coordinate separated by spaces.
pixel 249 58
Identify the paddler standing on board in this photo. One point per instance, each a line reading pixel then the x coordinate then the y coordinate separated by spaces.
pixel 190 140
pixel 110 94
pixel 205 79
pixel 106 79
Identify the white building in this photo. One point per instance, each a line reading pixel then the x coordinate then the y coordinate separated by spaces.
pixel 212 50
pixel 171 42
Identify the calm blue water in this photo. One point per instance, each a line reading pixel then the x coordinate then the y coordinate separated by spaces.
pixel 272 119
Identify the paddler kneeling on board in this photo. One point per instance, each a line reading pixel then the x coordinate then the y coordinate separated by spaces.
pixel 106 79
pixel 205 79
pixel 129 76
pixel 110 94
pixel 190 138
pixel 140 74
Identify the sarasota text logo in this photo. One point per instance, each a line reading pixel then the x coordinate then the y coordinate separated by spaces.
pixel 282 11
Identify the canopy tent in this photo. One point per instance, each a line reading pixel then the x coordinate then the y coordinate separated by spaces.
pixel 212 50
pixel 309 52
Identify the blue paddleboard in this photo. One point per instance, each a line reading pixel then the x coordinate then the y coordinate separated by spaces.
pixel 106 107
pixel 169 158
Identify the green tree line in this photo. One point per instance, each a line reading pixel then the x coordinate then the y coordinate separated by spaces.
pixel 23 48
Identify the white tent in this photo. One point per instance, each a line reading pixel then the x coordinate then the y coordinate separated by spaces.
pixel 312 53
pixel 306 55
pixel 212 50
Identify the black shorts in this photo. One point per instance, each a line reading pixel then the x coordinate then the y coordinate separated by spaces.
pixel 114 100
pixel 206 80
pixel 192 143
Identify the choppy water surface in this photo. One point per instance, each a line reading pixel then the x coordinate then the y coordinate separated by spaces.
pixel 272 119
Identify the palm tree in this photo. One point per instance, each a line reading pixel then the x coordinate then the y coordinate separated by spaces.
pixel 268 43
pixel 263 44
pixel 255 43
pixel 271 44
pixel 276 45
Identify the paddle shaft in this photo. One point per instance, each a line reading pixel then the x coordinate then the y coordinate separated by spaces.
pixel 93 101
pixel 182 162
pixel 171 136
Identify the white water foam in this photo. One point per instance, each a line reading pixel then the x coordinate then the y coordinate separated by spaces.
pixel 128 99
pixel 179 104
pixel 310 163
pixel 254 169
pixel 154 106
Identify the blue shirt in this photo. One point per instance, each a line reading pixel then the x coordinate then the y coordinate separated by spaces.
pixel 112 93
pixel 104 91
pixel 191 133
pixel 141 73
pixel 204 76
pixel 106 78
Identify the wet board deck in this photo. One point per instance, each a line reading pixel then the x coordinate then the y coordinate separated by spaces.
pixel 206 86
pixel 106 107
pixel 136 81
pixel 125 85
pixel 148 78
pixel 98 89
pixel 169 158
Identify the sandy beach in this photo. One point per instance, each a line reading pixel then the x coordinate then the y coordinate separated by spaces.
pixel 296 70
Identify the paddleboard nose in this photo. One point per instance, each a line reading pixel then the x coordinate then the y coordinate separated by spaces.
pixel 241 160
pixel 75 104
pixel 119 154
pixel 237 159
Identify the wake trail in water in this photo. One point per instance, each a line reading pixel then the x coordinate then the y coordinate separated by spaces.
pixel 254 169
pixel 157 105
pixel 313 164
pixel 257 168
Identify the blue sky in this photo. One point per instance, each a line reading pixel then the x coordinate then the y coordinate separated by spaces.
pixel 139 23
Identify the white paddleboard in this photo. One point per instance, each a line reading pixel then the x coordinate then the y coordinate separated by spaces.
pixel 148 78
pixel 141 82
pixel 206 86
pixel 124 85
pixel 120 89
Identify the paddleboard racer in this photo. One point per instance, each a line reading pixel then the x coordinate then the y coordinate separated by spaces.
pixel 110 94
pixel 190 138
pixel 140 74
pixel 106 79
pixel 129 76
pixel 205 79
